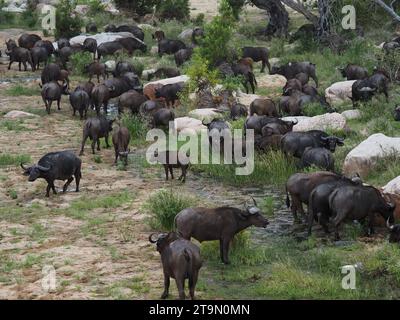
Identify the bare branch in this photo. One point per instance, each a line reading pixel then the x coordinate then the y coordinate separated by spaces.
pixel 388 9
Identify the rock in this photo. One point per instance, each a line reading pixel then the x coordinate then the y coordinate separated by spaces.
pixel 351 114
pixel 146 26
pixel 332 121
pixel 81 9
pixel 100 37
pixel 110 65
pixel 182 78
pixel 246 99
pixel 154 50
pixel 15 6
pixel 187 125
pixel 186 34
pixel 392 186
pixel 146 73
pixel 274 61
pixel 15 114
pixel 269 81
pixel 110 7
pixel 364 157
pixel 339 92
pixel 206 115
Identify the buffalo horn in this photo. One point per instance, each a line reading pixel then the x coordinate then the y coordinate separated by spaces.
pixel 294 123
pixel 151 238
pixel 388 225
pixel 22 166
pixel 41 168
pixel 254 201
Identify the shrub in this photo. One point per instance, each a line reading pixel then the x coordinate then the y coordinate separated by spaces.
pixel 137 127
pixel 95 7
pixel 218 33
pixel 173 9
pixel 67 23
pixel 79 60
pixel 141 7
pixel 199 19
pixel 164 205
pixel 30 15
pixel 236 6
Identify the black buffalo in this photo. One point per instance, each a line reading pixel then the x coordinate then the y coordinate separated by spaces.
pixel 53 166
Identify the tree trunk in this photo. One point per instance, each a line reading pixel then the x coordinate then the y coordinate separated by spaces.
pixel 278 17
pixel 324 23
pixel 389 10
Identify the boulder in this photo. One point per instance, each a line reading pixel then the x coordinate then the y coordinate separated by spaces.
pixel 186 34
pixel 15 114
pixel 182 78
pixel 15 6
pixel 327 121
pixel 154 50
pixel 146 73
pixel 246 99
pixel 110 65
pixel 268 81
pixel 187 125
pixel 206 115
pixel 351 114
pixel 339 92
pixel 392 187
pixel 146 26
pixel 364 157
pixel 101 37
pixel 82 9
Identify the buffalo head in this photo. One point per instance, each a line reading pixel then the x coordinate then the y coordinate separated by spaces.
pixel 124 155
pixel 331 142
pixel 254 215
pixel 394 232
pixel 163 239
pixel 34 172
pixel 276 70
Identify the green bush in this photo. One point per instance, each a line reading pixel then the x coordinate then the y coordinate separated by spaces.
pixel 199 19
pixel 137 127
pixel 164 205
pixel 141 7
pixel 236 6
pixel 79 60
pixel 173 9
pixel 67 23
pixel 95 7
pixel 218 34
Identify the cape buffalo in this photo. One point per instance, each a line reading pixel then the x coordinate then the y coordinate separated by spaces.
pixel 53 166
pixel 290 70
pixel 257 54
pixel 120 140
pixel 223 223
pixel 94 129
pixel 180 260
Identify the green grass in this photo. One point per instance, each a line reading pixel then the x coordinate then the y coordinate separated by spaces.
pixel 20 90
pixel 13 125
pixel 164 205
pixel 9 159
pixel 137 128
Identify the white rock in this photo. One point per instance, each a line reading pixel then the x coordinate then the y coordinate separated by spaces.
pixel 186 34
pixel 333 121
pixel 82 9
pixel 246 99
pixel 146 26
pixel 110 65
pixel 146 73
pixel 351 114
pixel 205 115
pixel 273 81
pixel 14 114
pixel 274 61
pixel 154 50
pixel 364 157
pixel 187 125
pixel 102 37
pixel 393 186
pixel 182 78
pixel 339 92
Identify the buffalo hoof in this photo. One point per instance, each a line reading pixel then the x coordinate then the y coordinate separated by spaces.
pixel 164 296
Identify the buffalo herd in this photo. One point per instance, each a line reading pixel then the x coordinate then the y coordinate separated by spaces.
pixel 329 196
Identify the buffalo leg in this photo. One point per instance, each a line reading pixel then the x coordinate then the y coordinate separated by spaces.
pixel 310 221
pixel 98 78
pixel 9 65
pixel 78 176
pixel 183 175
pixel 192 284
pixel 25 66
pixel 323 221
pixel 225 249
pixel 336 222
pixel 48 190
pixel 58 104
pixel 107 144
pixel 83 144
pixel 49 103
pixel 53 188
pixel 180 284
pixel 65 187
pixel 171 172
pixel 93 144
pixel 116 156
pixel 166 287
pixel 166 172
pixel 98 144
pixel 19 66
